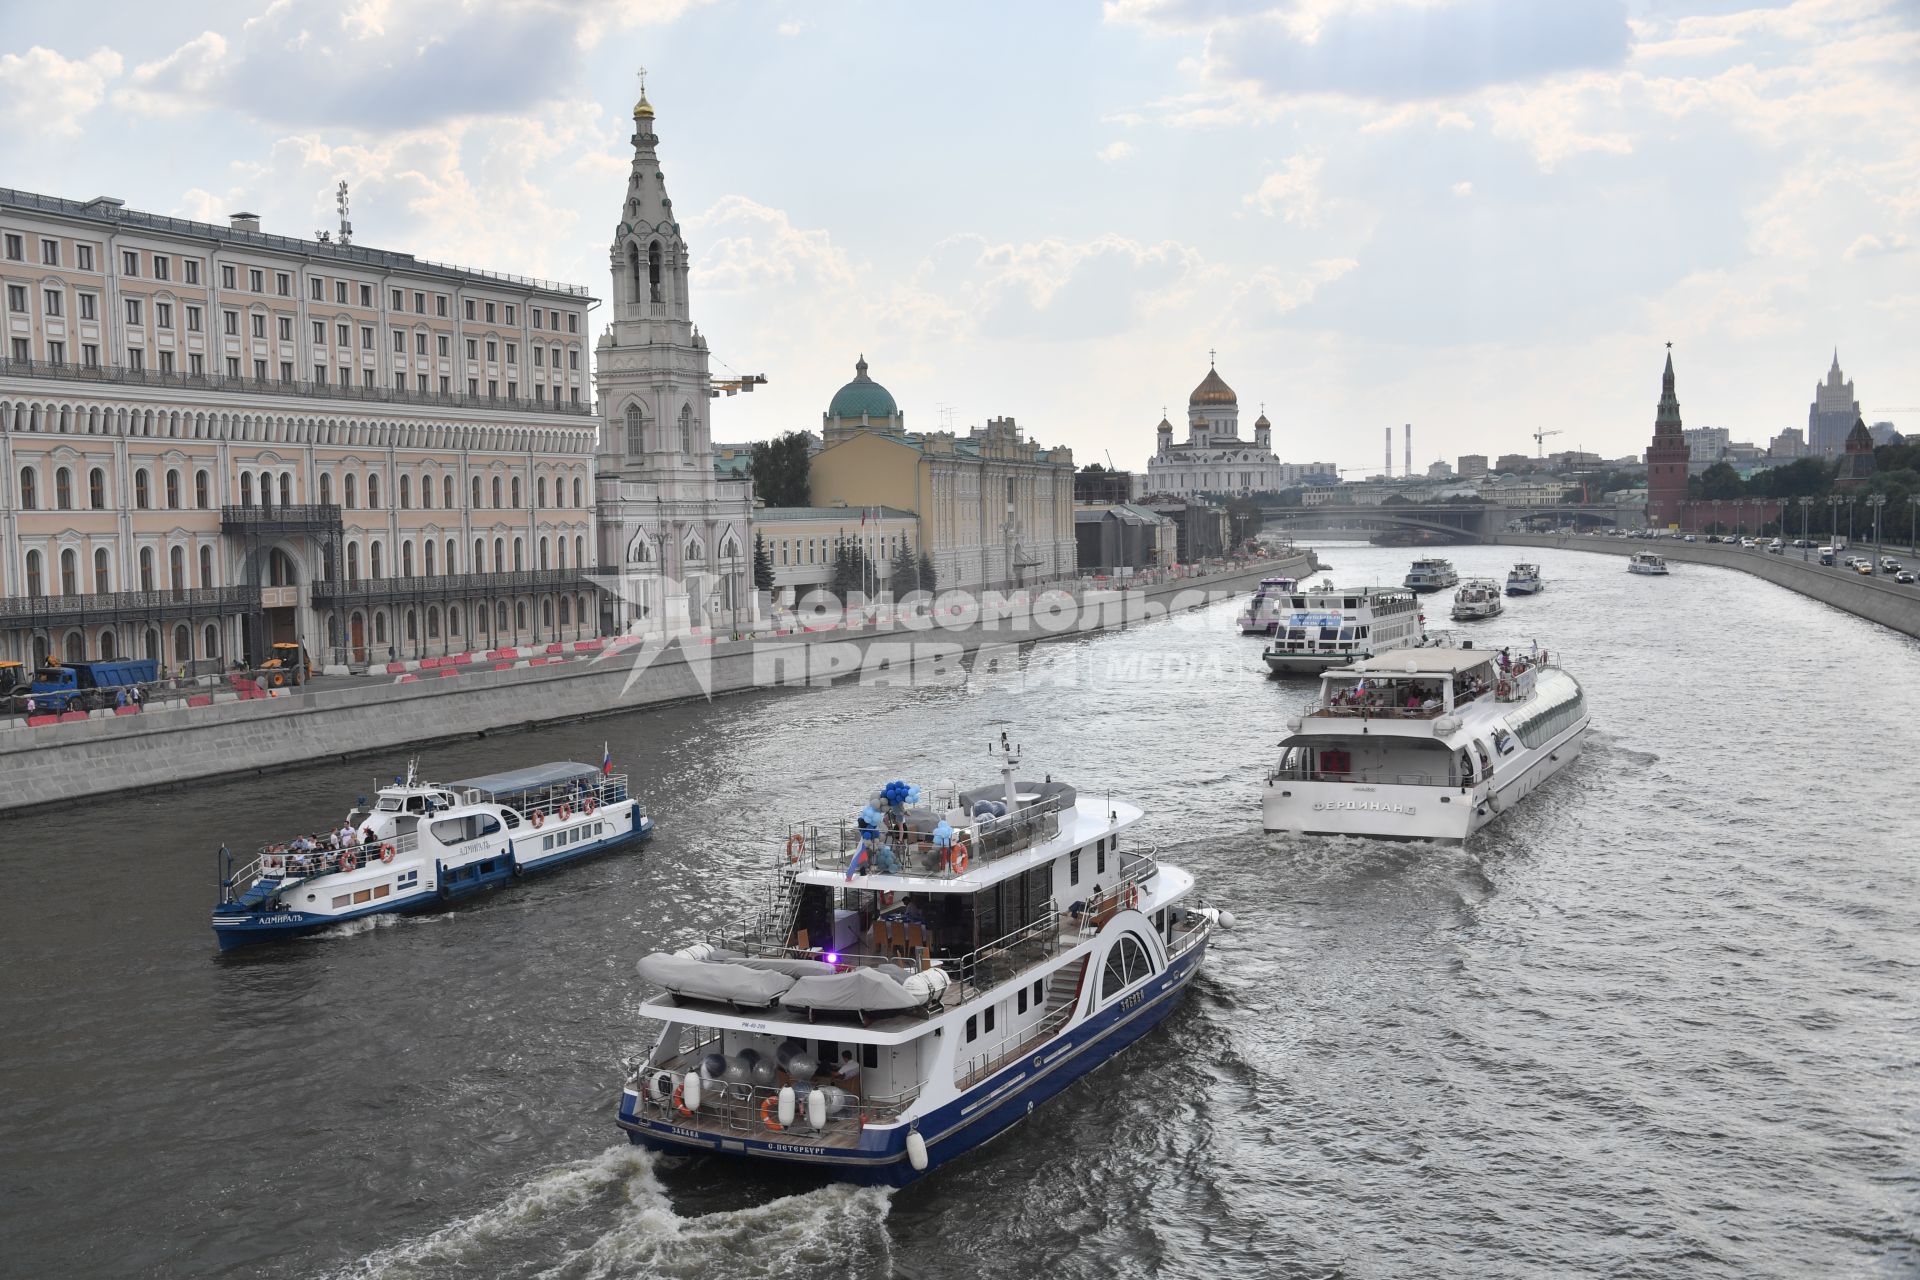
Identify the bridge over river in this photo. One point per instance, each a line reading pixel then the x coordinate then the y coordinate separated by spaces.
pixel 1476 521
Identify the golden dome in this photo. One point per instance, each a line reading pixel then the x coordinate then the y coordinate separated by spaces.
pixel 643 110
pixel 1213 390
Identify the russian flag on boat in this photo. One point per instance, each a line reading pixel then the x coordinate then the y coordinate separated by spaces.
pixel 606 759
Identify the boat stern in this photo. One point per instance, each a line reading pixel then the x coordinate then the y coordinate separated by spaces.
pixel 1383 811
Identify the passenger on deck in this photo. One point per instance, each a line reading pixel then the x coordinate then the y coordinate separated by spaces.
pixel 849 1072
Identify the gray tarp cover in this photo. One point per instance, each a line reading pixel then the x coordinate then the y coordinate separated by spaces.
pixel 862 991
pixel 702 980
pixel 792 968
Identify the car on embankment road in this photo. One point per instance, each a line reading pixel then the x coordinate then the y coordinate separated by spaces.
pixel 1905 576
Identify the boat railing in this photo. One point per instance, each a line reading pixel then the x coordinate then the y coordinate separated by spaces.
pixel 287 861
pixel 549 801
pixel 1364 712
pixel 1365 777
pixel 833 845
pixel 1012 1046
pixel 741 1107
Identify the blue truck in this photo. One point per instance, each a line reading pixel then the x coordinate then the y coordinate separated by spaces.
pixel 83 686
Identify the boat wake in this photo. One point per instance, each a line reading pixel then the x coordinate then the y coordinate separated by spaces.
pixel 610 1216
pixel 367 924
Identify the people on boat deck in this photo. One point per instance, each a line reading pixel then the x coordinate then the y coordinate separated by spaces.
pixel 848 1073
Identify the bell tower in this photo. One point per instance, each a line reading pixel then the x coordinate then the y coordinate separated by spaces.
pixel 1667 458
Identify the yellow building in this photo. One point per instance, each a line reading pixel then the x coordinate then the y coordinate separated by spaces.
pixel 214 438
pixel 801 542
pixel 991 509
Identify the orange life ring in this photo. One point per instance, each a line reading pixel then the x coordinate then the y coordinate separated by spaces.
pixel 679 1103
pixel 796 845
pixel 589 806
pixel 1503 689
pixel 960 858
pixel 350 860
pixel 386 852
pixel 1133 897
pixel 566 811
pixel 886 898
pixel 538 820
pixel 770 1113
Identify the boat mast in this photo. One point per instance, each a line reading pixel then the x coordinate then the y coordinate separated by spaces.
pixel 1009 759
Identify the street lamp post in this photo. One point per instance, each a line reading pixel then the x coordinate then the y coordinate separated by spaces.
pixel 1876 501
pixel 1806 543
pixel 1833 523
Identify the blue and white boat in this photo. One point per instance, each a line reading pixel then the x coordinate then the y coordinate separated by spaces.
pixel 1525 580
pixel 422 844
pixel 918 980
pixel 1263 611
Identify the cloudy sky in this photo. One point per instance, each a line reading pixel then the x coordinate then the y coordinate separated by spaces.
pixel 1478 216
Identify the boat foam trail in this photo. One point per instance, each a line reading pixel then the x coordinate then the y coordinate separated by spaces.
pixel 609 1215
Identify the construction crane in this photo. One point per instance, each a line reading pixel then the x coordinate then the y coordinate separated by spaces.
pixel 734 386
pixel 1540 440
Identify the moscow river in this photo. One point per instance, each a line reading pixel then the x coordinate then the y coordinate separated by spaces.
pixel 1660 1020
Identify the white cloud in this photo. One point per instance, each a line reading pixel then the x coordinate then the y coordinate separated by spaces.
pixel 1116 151
pixel 791 29
pixel 755 247
pixel 46 93
pixel 1292 191
pixel 1462 188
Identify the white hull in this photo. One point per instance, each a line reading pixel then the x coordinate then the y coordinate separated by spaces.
pixel 1477 612
pixel 1388 811
pixel 1651 571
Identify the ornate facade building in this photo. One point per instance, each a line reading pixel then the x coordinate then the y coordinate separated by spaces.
pixel 1831 416
pixel 992 509
pixel 1213 459
pixel 214 439
pixel 678 536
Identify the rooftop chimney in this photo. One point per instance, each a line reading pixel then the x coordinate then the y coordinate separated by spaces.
pixel 244 221
pixel 1406 435
pixel 1389 453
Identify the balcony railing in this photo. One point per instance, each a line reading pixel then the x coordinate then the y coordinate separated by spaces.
pixel 119 375
pixel 111 606
pixel 448 586
pixel 319 517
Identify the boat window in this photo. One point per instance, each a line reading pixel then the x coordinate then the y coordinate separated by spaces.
pixel 389 804
pixel 1020 1001
pixel 987 1018
pixel 416 804
pixel 1127 963
pixel 450 831
pixel 513 819
pixel 973 1029
pixel 1100 859
pixel 1073 867
pixel 1039 991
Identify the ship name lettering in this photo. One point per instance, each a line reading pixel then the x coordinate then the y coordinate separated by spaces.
pixel 1363 806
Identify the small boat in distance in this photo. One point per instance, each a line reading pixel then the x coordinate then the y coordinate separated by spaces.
pixel 1425 744
pixel 1430 575
pixel 421 844
pixel 1329 626
pixel 917 980
pixel 1262 610
pixel 1476 600
pixel 1525 580
pixel 1648 563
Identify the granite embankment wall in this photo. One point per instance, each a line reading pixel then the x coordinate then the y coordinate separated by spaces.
pixel 170 743
pixel 1884 602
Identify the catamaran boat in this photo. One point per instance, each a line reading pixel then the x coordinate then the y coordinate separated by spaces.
pixel 1525 580
pixel 1327 626
pixel 1425 744
pixel 918 979
pixel 1430 575
pixel 1647 562
pixel 422 844
pixel 1263 610
pixel 1476 599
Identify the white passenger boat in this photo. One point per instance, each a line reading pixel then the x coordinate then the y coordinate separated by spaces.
pixel 1648 563
pixel 1427 744
pixel 1430 575
pixel 1477 599
pixel 917 981
pixel 1329 626
pixel 1258 618
pixel 421 844
pixel 1525 580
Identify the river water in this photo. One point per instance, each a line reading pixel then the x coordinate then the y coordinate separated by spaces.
pixel 1661 1020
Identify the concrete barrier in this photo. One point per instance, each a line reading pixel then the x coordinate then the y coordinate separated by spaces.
pixel 1875 599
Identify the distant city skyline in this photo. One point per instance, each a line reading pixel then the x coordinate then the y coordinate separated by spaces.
pixel 1482 217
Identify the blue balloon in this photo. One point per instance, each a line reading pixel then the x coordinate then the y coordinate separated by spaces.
pixel 943 834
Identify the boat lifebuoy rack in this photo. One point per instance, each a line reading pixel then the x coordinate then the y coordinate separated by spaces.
pixel 350 860
pixel 1133 897
pixel 796 845
pixel 959 857
pixel 590 805
pixel 538 820
pixel 679 1099
pixel 1503 688
pixel 886 897
pixel 770 1112
pixel 387 851
pixel 566 811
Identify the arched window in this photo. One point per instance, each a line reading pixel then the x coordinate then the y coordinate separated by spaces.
pixel 380 626
pixel 177 569
pixel 102 571
pixel 326 489
pixel 69 572
pixel 28 501
pixel 63 489
pixel 182 643
pixel 108 647
pixel 560 550
pixel 516 493
pixel 540 492
pixel 202 490
pixel 543 552
pixel 450 556
pixel 206 567
pixel 413 625
pixel 142 489
pixel 499 555
pixel 373 493
pixel 476 494
pixel 520 615
pixel 446 493
pixel 146 568
pixel 453 619
pixel 500 617
pixel 373 559
pixel 174 498
pixel 97 489
pixel 433 619
pixel 579 552
pixel 406 561
pixel 426 493
pixel 686 428
pixel 1127 964
pixel 633 270
pixel 406 493
pixel 579 498
pixel 286 489
pixel 353 562
pixel 266 489
pixel 35 586
pixel 76 647
pixel 347 489
pixel 211 645
pixel 246 489
pixel 636 429
pixel 546 611
pixel 426 550
pixel 566 609
pixel 479 562
pixel 653 271
pixel 496 493
pixel 519 555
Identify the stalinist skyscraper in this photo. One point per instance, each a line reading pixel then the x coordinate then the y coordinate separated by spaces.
pixel 677 535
